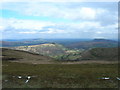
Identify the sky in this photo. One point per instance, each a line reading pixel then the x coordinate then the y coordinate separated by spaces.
pixel 23 20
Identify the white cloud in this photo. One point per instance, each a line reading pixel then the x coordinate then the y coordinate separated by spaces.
pixel 57 10
pixel 60 0
pixel 26 24
pixel 30 26
pixel 85 26
pixel 1 28
pixel 79 13
pixel 52 30
pixel 33 32
pixel 84 19
pixel 98 32
pixel 78 29
pixel 87 13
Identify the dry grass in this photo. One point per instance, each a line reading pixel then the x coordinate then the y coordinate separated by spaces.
pixel 60 75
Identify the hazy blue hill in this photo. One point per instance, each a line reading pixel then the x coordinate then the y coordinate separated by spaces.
pixel 69 43
pixel 94 43
pixel 104 40
pixel 23 42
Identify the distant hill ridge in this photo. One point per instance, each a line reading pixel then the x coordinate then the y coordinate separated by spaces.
pixel 69 43
pixel 110 54
pixel 94 44
pixel 104 40
pixel 23 42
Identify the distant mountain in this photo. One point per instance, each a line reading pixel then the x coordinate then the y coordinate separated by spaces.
pixel 23 42
pixel 93 44
pixel 100 54
pixel 68 43
pixel 26 42
pixel 104 40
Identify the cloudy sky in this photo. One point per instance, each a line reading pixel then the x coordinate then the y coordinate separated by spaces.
pixel 22 20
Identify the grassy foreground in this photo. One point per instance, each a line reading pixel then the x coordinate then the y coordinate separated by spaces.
pixel 59 75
